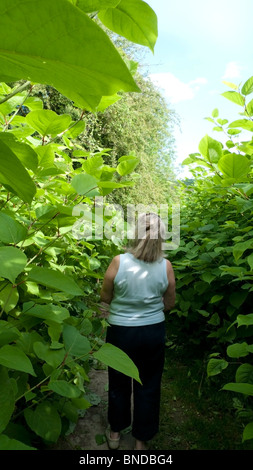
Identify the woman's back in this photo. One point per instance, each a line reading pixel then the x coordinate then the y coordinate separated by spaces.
pixel 138 291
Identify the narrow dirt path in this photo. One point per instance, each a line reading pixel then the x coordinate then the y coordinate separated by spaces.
pixel 94 421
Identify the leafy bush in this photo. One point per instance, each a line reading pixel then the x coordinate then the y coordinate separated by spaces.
pixel 51 329
pixel 214 262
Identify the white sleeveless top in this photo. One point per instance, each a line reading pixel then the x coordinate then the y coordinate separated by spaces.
pixel 138 291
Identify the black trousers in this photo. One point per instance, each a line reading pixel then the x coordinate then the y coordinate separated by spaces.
pixel 145 345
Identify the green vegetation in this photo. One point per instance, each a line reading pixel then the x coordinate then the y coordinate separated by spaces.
pixel 214 261
pixel 51 327
pixel 69 103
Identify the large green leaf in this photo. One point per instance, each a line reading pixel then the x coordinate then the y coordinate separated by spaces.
pixel 85 184
pixel 7 398
pixel 11 231
pixel 23 151
pixel 7 443
pixel 94 5
pixel 127 165
pixel 216 366
pixel 60 46
pixel 44 421
pixel 114 357
pixel 239 349
pixel 248 432
pixel 246 320
pixel 246 389
pixel 12 262
pixel 133 19
pixel 12 173
pixel 64 388
pixel 53 357
pixel 75 344
pixel 243 123
pixel 234 166
pixel 8 297
pixel 54 279
pixel 8 333
pixel 240 248
pixel 50 313
pixel 234 96
pixel 47 122
pixel 244 373
pixel 15 358
pixel 247 88
pixel 211 149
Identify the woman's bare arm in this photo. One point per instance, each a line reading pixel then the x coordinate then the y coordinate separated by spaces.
pixel 169 297
pixel 106 294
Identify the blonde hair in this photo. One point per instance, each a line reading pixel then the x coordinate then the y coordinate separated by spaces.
pixel 148 239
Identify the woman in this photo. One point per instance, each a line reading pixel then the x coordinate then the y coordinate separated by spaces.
pixel 139 285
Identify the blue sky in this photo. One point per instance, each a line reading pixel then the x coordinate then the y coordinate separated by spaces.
pixel 201 43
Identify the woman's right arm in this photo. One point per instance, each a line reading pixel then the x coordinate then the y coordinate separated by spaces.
pixel 169 296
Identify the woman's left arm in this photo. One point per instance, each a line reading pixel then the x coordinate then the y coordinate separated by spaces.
pixel 106 294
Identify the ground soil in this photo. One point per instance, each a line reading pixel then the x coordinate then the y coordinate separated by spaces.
pixel 94 422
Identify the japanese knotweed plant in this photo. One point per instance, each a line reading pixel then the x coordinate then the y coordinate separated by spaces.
pixel 214 263
pixel 50 331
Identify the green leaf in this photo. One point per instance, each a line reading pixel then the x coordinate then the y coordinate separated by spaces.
pixel 250 261
pixel 12 262
pixel 7 398
pixel 8 333
pixel 107 101
pixel 247 88
pixel 246 389
pixel 7 443
pixel 8 297
pixel 114 357
pixel 244 373
pixel 215 113
pixel 234 96
pixel 248 432
pixel 15 358
pixel 240 248
pixel 75 343
pixel 44 421
pixel 11 231
pixel 50 313
pixel 230 85
pixel 85 185
pixel 238 350
pixel 208 277
pixel 243 123
pixel 216 298
pixel 54 279
pixel 70 52
pixel 47 122
pixel 23 152
pixel 216 366
pixel 53 357
pixel 211 149
pixel 13 175
pixel 127 166
pixel 94 5
pixel 237 298
pixel 245 320
pixel 234 166
pixel 64 388
pixel 133 19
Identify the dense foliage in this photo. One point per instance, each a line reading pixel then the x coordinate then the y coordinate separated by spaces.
pixel 51 330
pixel 214 263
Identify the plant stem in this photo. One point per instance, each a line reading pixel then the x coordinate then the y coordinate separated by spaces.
pixel 15 92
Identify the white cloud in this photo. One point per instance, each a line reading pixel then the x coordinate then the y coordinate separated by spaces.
pixel 233 70
pixel 174 89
